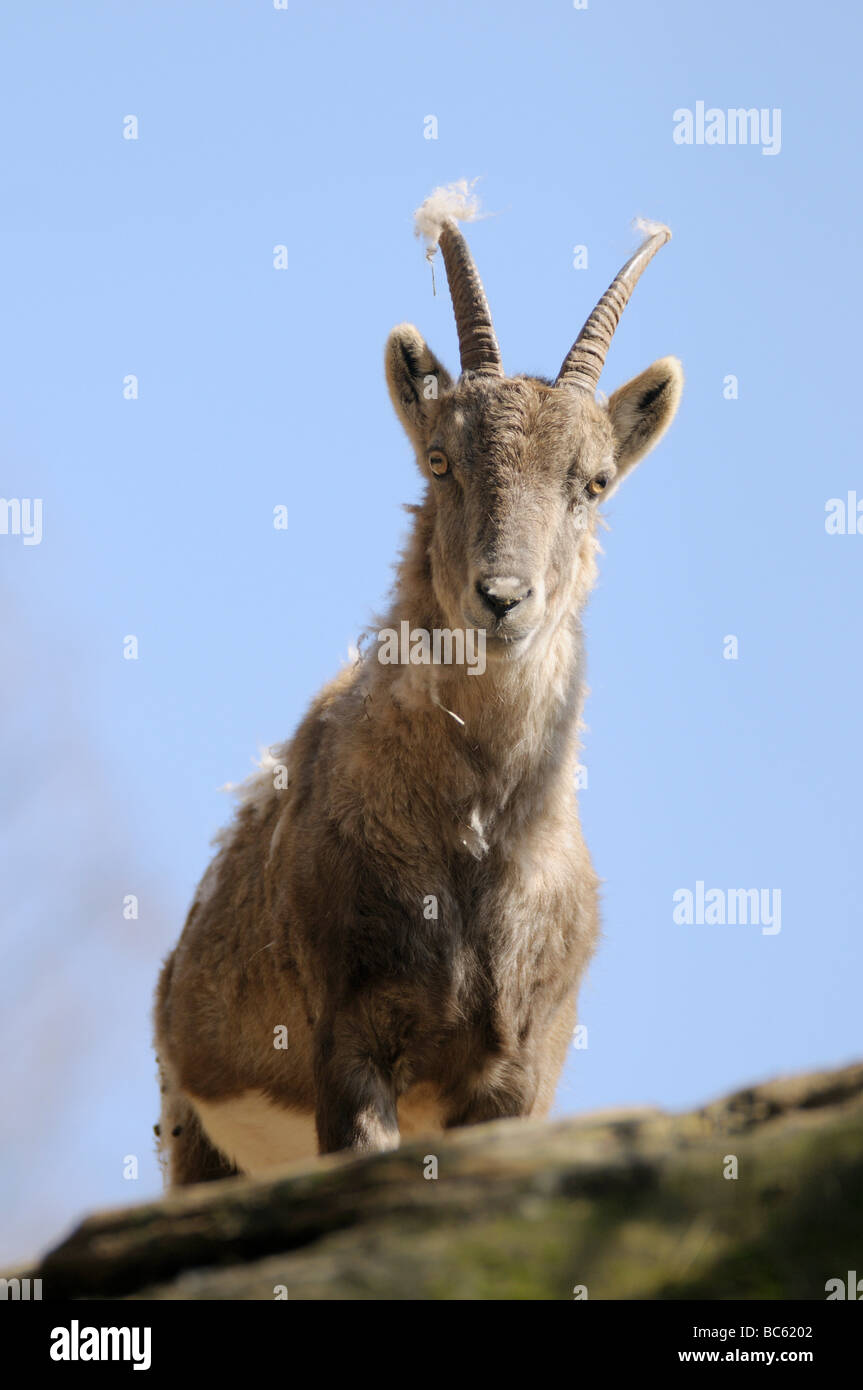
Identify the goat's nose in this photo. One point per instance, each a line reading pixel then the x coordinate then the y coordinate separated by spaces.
pixel 502 593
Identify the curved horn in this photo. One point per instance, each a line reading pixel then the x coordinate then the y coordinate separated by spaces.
pixel 583 365
pixel 477 342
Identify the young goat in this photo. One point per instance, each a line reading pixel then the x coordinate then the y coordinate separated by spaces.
pixel 413 912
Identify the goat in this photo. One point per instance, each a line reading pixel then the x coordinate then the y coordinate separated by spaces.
pixel 393 942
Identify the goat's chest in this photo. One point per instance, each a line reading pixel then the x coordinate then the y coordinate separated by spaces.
pixel 495 937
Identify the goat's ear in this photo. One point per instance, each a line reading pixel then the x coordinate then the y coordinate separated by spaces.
pixel 416 380
pixel 641 411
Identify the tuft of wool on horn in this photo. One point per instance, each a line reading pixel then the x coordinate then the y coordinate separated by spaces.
pixel 651 228
pixel 453 201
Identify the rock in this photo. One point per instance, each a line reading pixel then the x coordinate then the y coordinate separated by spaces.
pixel 625 1204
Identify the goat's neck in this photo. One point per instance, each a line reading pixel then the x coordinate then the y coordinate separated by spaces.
pixel 517 721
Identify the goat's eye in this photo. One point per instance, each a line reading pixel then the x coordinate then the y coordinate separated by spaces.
pixel 598 484
pixel 438 462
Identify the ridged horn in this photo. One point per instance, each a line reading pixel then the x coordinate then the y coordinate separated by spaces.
pixel 477 342
pixel 583 364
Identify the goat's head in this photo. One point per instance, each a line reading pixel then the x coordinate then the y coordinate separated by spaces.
pixel 517 466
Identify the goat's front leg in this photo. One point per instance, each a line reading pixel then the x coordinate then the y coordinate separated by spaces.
pixel 503 1090
pixel 355 1096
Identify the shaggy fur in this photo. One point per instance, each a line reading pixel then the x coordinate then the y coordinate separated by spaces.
pixel 315 912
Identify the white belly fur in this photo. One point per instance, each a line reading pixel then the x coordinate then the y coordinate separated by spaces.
pixel 257 1135
pixel 254 1133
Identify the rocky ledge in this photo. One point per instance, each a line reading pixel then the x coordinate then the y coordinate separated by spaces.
pixel 759 1195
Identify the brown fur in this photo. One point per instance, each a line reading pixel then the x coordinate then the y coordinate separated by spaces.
pixel 312 915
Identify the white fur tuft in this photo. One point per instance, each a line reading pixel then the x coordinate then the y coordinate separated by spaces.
pixel 650 228
pixel 258 787
pixel 456 201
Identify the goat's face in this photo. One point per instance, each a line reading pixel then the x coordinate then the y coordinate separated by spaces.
pixel 517 469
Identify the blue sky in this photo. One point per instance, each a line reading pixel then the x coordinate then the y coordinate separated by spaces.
pixel 260 387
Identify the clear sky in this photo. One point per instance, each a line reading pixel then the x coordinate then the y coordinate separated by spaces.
pixel 257 387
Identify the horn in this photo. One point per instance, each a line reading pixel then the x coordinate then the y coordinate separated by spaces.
pixel 477 342
pixel 583 364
